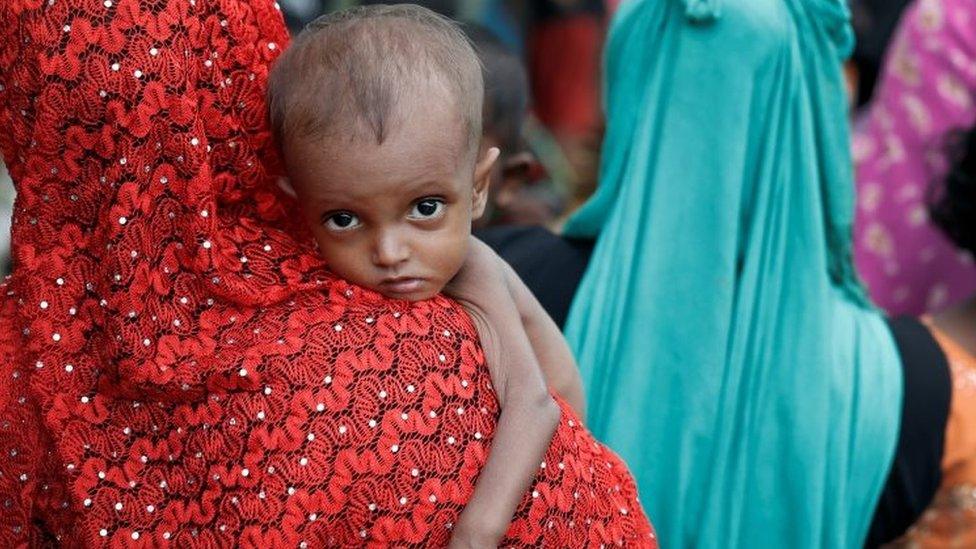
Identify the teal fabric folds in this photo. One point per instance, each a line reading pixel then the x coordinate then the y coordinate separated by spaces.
pixel 728 351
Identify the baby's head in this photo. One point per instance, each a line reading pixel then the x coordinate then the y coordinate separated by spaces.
pixel 378 113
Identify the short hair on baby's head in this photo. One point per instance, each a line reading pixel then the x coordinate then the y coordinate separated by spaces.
pixel 347 71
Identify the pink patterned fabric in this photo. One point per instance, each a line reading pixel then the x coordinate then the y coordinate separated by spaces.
pixel 927 90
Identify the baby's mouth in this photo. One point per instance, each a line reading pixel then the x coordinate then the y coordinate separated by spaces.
pixel 401 285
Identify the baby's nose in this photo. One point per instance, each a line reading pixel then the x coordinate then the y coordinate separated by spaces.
pixel 390 250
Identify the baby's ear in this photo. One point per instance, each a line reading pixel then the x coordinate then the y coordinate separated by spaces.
pixel 285 185
pixel 482 181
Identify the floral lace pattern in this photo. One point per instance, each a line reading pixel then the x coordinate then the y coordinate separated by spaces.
pixel 176 366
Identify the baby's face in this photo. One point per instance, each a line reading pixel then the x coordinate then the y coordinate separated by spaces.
pixel 396 217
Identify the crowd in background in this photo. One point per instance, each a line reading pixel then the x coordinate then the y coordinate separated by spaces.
pixel 898 253
pixel 560 44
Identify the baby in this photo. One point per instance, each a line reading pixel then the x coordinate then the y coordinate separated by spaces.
pixel 378 111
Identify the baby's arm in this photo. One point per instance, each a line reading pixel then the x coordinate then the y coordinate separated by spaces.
pixel 528 413
pixel 550 347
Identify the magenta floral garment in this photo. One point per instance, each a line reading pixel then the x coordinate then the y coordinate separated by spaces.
pixel 927 90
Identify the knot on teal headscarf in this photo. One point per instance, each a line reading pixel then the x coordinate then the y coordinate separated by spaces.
pixel 835 17
pixel 702 10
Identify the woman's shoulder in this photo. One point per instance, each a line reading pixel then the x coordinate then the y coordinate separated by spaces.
pixel 551 265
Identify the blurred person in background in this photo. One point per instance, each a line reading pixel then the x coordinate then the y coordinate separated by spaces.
pixel 564 46
pixel 951 519
pixel 496 15
pixel 299 12
pixel 874 24
pixel 719 327
pixel 927 90
pixel 519 195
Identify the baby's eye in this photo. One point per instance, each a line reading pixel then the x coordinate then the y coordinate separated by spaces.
pixel 342 221
pixel 427 208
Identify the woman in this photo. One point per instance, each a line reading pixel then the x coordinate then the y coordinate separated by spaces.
pixel 951 519
pixel 177 366
pixel 926 91
pixel 728 350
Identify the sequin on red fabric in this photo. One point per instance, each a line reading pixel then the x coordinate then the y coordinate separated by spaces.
pixel 176 366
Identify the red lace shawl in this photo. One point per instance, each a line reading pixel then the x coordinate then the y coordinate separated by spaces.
pixel 175 366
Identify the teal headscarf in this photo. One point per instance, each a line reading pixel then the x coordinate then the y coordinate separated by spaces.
pixel 728 350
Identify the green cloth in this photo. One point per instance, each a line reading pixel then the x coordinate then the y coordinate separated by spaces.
pixel 727 348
